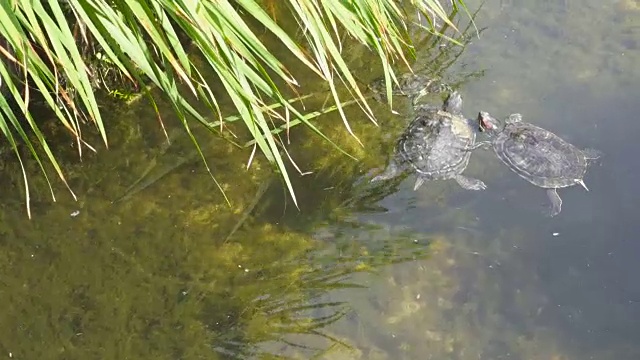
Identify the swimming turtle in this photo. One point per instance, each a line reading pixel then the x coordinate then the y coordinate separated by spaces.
pixel 538 155
pixel 411 85
pixel 437 145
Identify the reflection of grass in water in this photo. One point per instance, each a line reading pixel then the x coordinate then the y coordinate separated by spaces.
pixel 287 310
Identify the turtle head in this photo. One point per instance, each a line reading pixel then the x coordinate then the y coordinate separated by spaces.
pixel 486 122
pixel 453 103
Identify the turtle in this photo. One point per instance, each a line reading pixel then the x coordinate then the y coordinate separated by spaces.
pixel 436 145
pixel 411 85
pixel 538 155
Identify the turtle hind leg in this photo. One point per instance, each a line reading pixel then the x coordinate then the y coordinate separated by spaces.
pixel 470 183
pixel 392 170
pixel 556 202
pixel 419 181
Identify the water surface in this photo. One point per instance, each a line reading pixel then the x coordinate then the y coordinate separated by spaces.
pixel 360 271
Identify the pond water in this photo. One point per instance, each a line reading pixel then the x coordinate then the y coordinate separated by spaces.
pixel 360 271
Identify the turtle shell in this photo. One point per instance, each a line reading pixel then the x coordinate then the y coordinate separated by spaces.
pixel 436 144
pixel 540 156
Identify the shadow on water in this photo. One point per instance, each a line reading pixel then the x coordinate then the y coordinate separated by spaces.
pixel 362 270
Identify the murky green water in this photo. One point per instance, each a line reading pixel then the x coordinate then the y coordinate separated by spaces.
pixel 361 271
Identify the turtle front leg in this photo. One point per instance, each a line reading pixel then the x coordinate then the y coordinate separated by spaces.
pixel 392 170
pixel 470 183
pixel 481 144
pixel 556 202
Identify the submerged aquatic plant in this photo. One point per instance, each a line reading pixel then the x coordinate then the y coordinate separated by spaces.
pixel 154 42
